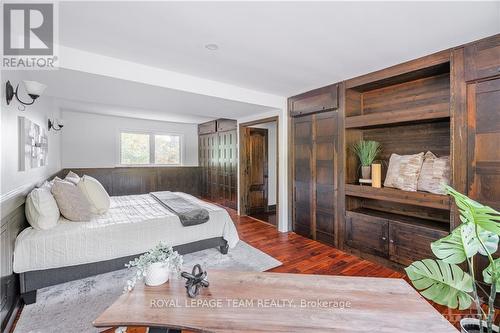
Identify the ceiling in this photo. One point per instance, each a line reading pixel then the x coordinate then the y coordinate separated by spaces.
pixel 281 48
pixel 105 95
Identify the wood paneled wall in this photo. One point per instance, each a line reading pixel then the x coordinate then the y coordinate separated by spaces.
pixel 139 180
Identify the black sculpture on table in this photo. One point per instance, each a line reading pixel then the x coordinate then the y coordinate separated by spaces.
pixel 195 280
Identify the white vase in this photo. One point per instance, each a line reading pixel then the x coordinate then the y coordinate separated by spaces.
pixel 471 325
pixel 156 274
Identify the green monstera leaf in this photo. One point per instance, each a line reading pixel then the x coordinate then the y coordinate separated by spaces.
pixel 462 243
pixel 474 212
pixel 488 272
pixel 443 283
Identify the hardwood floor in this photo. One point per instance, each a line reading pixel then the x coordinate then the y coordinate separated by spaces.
pixel 305 256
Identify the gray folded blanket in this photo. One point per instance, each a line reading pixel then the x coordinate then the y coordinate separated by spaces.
pixel 188 212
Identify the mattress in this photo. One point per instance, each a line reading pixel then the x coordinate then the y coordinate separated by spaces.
pixel 133 225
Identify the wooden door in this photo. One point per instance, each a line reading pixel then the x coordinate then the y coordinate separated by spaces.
pixel 325 183
pixel 257 170
pixel 483 103
pixel 302 175
pixel 367 233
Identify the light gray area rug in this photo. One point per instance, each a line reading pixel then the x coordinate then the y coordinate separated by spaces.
pixel 72 306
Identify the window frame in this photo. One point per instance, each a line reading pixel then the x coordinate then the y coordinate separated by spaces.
pixel 152 143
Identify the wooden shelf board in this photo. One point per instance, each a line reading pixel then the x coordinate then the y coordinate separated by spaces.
pixel 429 224
pixel 395 117
pixel 422 199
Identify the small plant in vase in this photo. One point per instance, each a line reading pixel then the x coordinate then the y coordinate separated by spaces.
pixel 367 152
pixel 445 283
pixel 155 266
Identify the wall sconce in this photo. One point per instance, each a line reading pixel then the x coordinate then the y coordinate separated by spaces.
pixel 33 89
pixel 55 124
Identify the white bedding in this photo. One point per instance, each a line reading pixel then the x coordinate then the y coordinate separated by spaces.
pixel 133 224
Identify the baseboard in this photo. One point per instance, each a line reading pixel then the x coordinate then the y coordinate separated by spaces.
pixel 9 322
pixel 271 208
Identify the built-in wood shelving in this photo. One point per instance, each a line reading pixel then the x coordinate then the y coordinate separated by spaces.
pixel 426 113
pixel 422 199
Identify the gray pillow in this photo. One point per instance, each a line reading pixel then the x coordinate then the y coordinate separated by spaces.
pixel 72 203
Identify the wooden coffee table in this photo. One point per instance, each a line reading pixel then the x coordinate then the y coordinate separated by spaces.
pixel 275 302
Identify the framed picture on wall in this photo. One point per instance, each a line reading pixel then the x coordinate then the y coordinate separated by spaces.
pixel 33 145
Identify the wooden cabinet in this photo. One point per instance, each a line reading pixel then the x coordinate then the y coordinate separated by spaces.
pixel 208 127
pixel 218 158
pixel 408 243
pixel 314 175
pixel 482 58
pixel 318 100
pixel 398 238
pixel 367 233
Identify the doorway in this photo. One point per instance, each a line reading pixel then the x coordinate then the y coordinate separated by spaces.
pixel 259 169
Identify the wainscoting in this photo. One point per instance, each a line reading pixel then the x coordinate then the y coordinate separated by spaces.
pixel 139 180
pixel 11 226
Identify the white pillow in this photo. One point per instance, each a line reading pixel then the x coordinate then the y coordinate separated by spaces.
pixel 41 209
pixel 95 194
pixel 72 178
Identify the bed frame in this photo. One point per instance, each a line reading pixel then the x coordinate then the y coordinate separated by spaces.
pixel 33 280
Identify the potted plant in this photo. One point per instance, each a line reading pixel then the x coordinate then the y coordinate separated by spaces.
pixel 366 151
pixel 155 266
pixel 444 282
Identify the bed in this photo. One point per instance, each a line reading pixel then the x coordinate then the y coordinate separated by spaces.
pixel 133 224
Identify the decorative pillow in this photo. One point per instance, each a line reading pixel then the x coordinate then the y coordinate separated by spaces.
pixel 71 201
pixel 435 174
pixel 72 177
pixel 41 209
pixel 403 171
pixel 48 185
pixel 95 194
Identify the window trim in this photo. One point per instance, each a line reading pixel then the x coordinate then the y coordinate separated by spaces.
pixel 152 135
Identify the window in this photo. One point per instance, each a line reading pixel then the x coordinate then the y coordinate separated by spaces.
pixel 146 148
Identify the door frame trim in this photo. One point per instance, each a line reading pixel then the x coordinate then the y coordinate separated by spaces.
pixel 243 179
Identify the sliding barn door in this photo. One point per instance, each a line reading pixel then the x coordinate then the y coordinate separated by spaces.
pixel 314 175
pixel 325 185
pixel 302 175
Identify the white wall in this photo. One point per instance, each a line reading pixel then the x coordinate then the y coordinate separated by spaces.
pixel 92 141
pixel 13 181
pixel 271 160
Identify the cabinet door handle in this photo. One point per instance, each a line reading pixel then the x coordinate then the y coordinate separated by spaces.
pixel 383 238
pixel 391 241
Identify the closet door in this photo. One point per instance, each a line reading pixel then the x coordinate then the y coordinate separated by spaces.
pixel 213 167
pixel 483 101
pixel 324 160
pixel 303 181
pixel 204 156
pixel 227 165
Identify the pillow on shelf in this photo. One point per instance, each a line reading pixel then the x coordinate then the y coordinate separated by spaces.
pixel 435 172
pixel 403 171
pixel 95 194
pixel 41 209
pixel 73 205
pixel 72 177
